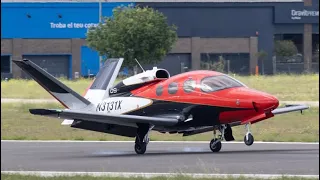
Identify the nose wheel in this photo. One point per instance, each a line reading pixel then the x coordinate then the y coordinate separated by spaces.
pixel 248 138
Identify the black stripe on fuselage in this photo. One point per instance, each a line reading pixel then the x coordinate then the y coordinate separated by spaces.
pixel 161 106
pixel 202 114
pixel 122 90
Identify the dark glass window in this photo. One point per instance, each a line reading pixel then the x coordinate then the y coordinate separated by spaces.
pixel 238 63
pixel 216 83
pixel 5 64
pixel 189 85
pixel 173 88
pixel 159 90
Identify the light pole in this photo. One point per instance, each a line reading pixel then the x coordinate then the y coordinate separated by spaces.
pixel 100 20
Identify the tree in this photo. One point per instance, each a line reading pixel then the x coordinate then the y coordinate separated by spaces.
pixel 285 48
pixel 133 32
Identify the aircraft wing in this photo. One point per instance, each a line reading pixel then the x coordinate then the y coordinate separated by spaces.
pixel 263 115
pixel 290 108
pixel 126 120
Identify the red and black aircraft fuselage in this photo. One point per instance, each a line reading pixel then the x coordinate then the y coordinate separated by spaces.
pixel 215 99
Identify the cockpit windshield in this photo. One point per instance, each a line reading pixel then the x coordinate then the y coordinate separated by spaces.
pixel 216 83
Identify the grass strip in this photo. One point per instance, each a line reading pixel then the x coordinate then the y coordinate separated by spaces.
pixel 284 87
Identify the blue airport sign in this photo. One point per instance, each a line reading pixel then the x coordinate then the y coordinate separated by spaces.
pixel 51 20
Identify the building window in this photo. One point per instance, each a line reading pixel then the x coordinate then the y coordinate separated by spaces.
pixel 189 85
pixel 173 88
pixel 238 63
pixel 5 64
pixel 159 90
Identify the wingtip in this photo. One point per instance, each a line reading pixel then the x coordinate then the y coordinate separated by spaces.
pixel 42 111
pixel 19 60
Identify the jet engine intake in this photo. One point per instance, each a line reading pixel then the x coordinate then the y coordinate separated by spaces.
pixel 162 74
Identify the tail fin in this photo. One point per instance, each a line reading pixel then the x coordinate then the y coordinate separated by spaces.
pixel 66 96
pixel 104 80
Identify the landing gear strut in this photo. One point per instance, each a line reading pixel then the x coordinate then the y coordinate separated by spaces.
pixel 215 143
pixel 248 138
pixel 142 139
pixel 226 134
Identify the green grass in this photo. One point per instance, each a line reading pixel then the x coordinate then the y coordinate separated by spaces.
pixel 25 177
pixel 284 87
pixel 29 89
pixel 18 123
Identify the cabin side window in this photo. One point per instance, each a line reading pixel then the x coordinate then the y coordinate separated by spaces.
pixel 189 85
pixel 159 90
pixel 173 88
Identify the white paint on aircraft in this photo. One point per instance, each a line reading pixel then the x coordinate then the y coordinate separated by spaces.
pixel 95 95
pixel 146 76
pixel 69 100
pixel 121 105
pixel 116 105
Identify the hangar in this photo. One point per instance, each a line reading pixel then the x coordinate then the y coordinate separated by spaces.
pixel 53 33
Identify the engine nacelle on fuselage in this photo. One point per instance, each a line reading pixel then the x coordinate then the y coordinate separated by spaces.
pixel 147 76
pixel 138 80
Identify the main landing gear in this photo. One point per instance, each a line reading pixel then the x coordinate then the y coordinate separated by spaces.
pixel 248 138
pixel 142 139
pixel 226 134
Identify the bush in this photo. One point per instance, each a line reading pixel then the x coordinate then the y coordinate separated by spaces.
pixel 285 48
pixel 214 66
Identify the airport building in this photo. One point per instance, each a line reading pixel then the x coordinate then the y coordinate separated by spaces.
pixel 52 34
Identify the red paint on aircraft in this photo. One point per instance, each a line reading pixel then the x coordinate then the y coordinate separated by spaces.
pixel 250 105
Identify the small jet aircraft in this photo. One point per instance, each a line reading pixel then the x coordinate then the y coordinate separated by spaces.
pixel 189 103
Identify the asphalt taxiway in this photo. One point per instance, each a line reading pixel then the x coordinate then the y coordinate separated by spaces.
pixel 161 157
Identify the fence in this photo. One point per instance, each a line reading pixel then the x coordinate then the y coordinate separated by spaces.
pixel 294 64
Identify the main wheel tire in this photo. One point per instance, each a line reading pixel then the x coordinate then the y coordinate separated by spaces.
pixel 250 140
pixel 215 145
pixel 140 148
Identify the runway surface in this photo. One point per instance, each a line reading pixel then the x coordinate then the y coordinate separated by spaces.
pixel 161 157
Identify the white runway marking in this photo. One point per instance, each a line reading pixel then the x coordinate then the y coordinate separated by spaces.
pixel 150 175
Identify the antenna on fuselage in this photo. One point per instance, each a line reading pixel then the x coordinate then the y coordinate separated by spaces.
pixel 139 64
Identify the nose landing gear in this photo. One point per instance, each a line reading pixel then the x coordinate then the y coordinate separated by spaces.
pixel 248 138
